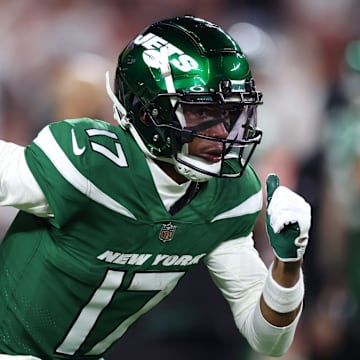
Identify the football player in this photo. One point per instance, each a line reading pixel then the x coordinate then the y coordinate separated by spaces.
pixel 113 217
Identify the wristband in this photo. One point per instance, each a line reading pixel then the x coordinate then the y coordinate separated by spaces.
pixel 282 299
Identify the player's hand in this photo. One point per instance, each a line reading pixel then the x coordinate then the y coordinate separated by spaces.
pixel 288 220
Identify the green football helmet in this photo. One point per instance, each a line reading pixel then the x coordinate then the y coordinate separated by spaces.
pixel 186 61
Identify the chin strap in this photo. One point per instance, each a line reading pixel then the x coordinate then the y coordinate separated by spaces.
pixel 186 165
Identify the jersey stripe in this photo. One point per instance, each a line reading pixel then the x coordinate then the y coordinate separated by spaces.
pixel 249 206
pixel 48 144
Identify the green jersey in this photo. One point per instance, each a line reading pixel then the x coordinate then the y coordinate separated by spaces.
pixel 71 284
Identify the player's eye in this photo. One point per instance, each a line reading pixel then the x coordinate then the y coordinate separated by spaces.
pixel 225 113
pixel 201 112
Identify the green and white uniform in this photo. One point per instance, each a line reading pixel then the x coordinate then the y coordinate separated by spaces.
pixel 72 282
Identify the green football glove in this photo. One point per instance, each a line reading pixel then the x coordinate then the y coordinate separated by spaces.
pixel 288 220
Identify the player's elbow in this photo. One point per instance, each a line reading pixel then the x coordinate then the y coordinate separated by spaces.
pixel 273 349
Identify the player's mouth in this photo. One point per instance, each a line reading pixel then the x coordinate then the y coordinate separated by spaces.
pixel 212 156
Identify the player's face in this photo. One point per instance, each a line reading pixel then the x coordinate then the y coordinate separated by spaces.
pixel 210 120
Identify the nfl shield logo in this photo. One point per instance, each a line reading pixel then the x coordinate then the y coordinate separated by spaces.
pixel 167 232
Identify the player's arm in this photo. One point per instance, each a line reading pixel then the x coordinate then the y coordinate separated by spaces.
pixel 266 304
pixel 288 287
pixel 18 187
pixel 241 275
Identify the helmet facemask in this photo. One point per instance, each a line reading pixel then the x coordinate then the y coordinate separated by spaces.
pixel 239 121
pixel 240 140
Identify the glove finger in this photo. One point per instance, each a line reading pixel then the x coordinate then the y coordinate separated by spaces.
pixel 305 218
pixel 272 183
pixel 285 201
pixel 280 226
pixel 301 241
pixel 282 219
pixel 285 216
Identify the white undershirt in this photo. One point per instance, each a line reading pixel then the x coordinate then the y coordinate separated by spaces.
pixel 169 190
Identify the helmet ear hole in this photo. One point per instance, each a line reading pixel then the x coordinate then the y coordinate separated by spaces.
pixel 145 118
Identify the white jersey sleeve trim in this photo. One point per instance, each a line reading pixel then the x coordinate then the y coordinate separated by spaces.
pixel 240 274
pixel 47 143
pixel 250 206
pixel 18 187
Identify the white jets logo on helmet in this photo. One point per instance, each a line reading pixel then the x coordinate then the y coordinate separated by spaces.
pixel 152 58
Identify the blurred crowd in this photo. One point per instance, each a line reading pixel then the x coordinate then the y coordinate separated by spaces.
pixel 305 57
